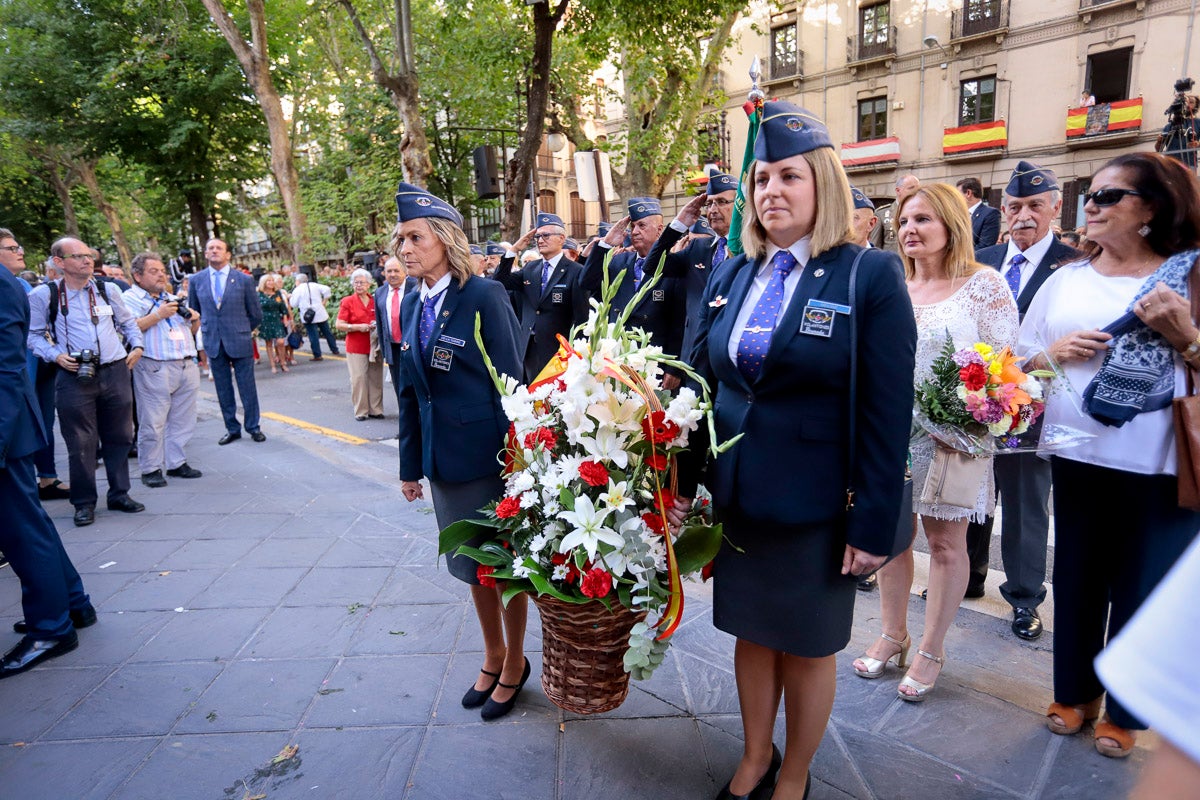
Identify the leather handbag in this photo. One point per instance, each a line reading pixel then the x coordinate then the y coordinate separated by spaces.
pixel 1186 415
pixel 902 537
pixel 954 478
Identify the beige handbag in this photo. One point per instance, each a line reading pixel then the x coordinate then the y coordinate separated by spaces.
pixel 954 478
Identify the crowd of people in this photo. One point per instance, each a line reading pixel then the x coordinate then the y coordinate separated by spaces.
pixel 824 399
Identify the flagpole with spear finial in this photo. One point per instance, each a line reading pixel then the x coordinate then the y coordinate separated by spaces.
pixel 754 110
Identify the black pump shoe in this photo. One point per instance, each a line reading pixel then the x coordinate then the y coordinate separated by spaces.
pixel 493 710
pixel 765 786
pixel 474 698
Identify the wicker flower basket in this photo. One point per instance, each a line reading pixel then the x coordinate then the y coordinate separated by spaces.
pixel 582 647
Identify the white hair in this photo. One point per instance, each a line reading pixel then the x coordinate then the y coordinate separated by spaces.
pixel 301 278
pixel 360 272
pixel 1055 197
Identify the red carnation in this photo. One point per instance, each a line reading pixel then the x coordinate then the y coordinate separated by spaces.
pixel 706 571
pixel 657 461
pixel 654 522
pixel 596 583
pixel 974 376
pixel 483 574
pixel 664 499
pixel 658 429
pixel 544 436
pixel 594 473
pixel 509 507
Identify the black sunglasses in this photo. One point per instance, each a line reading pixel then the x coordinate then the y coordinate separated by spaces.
pixel 1108 197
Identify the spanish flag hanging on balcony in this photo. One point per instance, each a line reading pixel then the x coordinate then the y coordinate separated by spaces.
pixel 1123 115
pixel 984 136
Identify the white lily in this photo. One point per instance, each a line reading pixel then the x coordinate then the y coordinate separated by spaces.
pixel 617 497
pixel 589 529
pixel 606 445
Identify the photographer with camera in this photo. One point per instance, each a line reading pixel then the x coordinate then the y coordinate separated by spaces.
pixel 77 324
pixel 166 381
pixel 1181 135
pixel 309 298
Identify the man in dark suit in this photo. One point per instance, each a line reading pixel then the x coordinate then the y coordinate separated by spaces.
pixel 52 594
pixel 548 295
pixel 985 220
pixel 1032 202
pixel 388 322
pixel 229 312
pixel 661 311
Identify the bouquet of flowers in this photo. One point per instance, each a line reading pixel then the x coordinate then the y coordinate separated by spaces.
pixel 590 475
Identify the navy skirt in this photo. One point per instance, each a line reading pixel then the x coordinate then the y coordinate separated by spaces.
pixel 453 502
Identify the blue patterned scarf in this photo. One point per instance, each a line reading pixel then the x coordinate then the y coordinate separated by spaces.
pixel 1138 374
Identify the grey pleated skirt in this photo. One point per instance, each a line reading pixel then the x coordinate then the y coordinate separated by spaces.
pixel 453 502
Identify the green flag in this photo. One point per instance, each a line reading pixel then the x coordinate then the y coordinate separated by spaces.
pixel 754 111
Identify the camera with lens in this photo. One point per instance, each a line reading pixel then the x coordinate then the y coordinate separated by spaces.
pixel 1178 108
pixel 89 362
pixel 183 311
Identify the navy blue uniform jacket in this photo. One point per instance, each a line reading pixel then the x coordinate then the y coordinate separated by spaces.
pixel 692 268
pixel 791 464
pixel 21 430
pixel 1058 253
pixel 452 426
pixel 661 311
pixel 985 226
pixel 228 327
pixel 541 316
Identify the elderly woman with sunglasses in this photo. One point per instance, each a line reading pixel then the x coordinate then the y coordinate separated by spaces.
pixel 1118 324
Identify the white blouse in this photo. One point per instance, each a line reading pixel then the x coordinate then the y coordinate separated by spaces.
pixel 1075 298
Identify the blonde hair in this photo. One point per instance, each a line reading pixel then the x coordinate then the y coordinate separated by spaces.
pixel 263 280
pixel 834 223
pixel 950 207
pixel 458 249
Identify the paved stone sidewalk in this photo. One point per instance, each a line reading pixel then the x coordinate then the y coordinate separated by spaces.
pixel 291 598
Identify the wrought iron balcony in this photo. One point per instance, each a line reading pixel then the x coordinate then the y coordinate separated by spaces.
pixel 977 18
pixel 871 48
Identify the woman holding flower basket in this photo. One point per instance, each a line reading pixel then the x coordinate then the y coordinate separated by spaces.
pixel 452 425
pixel 775 344
pixel 964 308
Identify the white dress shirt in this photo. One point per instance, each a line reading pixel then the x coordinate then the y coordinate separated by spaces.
pixel 1033 255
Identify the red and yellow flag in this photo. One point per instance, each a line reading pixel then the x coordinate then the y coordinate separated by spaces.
pixel 984 136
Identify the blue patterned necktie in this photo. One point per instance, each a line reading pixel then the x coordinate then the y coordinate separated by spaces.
pixel 219 292
pixel 428 318
pixel 1013 276
pixel 638 272
pixel 756 338
pixel 545 275
pixel 719 251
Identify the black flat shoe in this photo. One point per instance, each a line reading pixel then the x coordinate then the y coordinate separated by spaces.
pixel 474 698
pixel 84 515
pixel 766 784
pixel 30 652
pixel 80 617
pixel 1026 623
pixel 154 479
pixel 258 436
pixel 54 491
pixel 184 471
pixel 126 504
pixel 229 437
pixel 493 710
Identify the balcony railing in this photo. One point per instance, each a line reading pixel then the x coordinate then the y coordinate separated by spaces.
pixel 1104 119
pixel 1092 5
pixel 979 17
pixel 786 67
pixel 859 48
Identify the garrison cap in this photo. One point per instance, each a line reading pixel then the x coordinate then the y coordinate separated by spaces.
pixel 703 228
pixel 642 207
pixel 413 202
pixel 492 249
pixel 571 244
pixel 605 227
pixel 549 219
pixel 720 182
pixel 476 250
pixel 788 130
pixel 1030 179
pixel 860 199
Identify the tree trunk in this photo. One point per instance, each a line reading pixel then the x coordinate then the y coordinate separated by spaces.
pixel 63 191
pixel 198 217
pixel 545 21
pixel 87 173
pixel 256 66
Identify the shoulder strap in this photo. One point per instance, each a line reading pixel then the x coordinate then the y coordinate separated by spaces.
pixel 52 316
pixel 1194 291
pixel 853 437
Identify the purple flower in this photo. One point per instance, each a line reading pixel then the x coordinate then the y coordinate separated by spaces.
pixel 965 357
pixel 991 412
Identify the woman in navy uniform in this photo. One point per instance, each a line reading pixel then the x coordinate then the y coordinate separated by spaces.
pixel 775 346
pixel 452 426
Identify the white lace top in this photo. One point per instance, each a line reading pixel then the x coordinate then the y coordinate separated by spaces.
pixel 981 310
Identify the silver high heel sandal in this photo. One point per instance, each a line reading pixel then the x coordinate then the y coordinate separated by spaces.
pixel 921 689
pixel 875 667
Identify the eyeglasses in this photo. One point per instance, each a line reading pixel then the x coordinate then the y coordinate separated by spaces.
pixel 79 256
pixel 720 202
pixel 540 236
pixel 1108 197
pixel 15 248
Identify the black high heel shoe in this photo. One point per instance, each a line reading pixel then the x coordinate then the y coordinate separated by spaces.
pixel 493 710
pixel 474 698
pixel 765 786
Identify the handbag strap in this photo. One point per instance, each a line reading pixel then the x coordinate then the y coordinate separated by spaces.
pixel 853 437
pixel 1194 291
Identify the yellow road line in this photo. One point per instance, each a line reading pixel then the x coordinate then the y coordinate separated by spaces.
pixel 308 426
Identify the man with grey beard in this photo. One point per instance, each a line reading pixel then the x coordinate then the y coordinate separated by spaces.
pixel 1031 204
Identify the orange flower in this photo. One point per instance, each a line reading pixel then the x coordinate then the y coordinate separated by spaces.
pixel 1010 372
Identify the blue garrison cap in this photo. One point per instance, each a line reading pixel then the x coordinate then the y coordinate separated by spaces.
pixel 1030 179
pixel 413 202
pixel 702 227
pixel 860 199
pixel 641 207
pixel 788 130
pixel 720 182
pixel 549 219
pixel 571 244
pixel 476 250
pixel 605 227
pixel 493 249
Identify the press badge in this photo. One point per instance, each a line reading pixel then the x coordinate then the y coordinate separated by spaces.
pixel 442 357
pixel 817 321
pixel 175 334
pixel 104 311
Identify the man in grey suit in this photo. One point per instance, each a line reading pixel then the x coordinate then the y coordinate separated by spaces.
pixel 1032 202
pixel 229 312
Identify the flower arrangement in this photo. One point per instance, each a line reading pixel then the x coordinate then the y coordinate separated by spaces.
pixel 589 467
pixel 979 400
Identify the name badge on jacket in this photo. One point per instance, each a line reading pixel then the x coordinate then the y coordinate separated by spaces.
pixel 557 294
pixel 658 295
pixel 817 321
pixel 442 358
